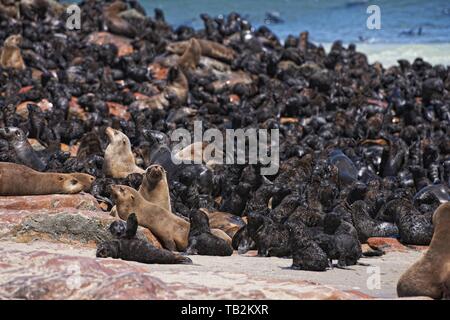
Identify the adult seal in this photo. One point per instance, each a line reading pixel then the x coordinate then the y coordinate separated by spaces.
pixel 172 231
pixel 154 187
pixel 19 180
pixel 430 276
pixel 10 56
pixel 119 159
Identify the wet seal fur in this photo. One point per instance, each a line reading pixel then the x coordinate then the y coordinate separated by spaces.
pixel 19 180
pixel 127 247
pixel 202 241
pixel 119 159
pixel 172 231
pixel 430 276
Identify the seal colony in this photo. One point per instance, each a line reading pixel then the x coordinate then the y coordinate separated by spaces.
pixel 364 150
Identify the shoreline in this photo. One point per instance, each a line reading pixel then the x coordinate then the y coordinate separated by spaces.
pixel 389 53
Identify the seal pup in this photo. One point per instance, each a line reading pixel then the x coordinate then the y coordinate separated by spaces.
pixel 202 241
pixel 172 231
pixel 119 159
pixel 127 247
pixel 430 276
pixel 22 148
pixel 368 227
pixel 19 180
pixel 306 254
pixel 10 56
pixel 154 187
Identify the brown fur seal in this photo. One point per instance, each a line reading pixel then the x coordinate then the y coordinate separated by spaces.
pixel 430 276
pixel 10 56
pixel 191 56
pixel 172 231
pixel 115 23
pixel 176 90
pixel 119 159
pixel 208 48
pixel 85 179
pixel 224 221
pixel 154 187
pixel 19 180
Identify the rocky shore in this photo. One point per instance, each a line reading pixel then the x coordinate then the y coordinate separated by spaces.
pixel 364 154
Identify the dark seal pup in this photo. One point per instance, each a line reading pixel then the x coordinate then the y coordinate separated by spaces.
pixel 128 247
pixel 202 241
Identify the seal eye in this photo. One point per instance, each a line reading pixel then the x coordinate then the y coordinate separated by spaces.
pixel 61 178
pixel 123 141
pixel 74 182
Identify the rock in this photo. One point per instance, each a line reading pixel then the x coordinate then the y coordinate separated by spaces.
pixel 101 38
pixel 386 244
pixel 82 201
pixel 66 225
pixel 57 273
pixel 118 110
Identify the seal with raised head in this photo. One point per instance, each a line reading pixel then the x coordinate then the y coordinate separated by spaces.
pixel 19 180
pixel 154 187
pixel 22 148
pixel 430 276
pixel 202 241
pixel 127 247
pixel 171 230
pixel 119 159
pixel 10 56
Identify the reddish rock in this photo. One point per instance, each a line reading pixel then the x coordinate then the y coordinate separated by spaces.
pixel 75 110
pixel 386 244
pixel 158 71
pixel 118 110
pixel 83 201
pixel 25 89
pixel 101 38
pixel 57 272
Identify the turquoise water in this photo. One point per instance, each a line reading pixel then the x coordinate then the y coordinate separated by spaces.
pixel 325 20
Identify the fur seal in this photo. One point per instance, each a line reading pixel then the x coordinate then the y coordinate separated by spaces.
pixel 22 147
pixel 10 55
pixel 119 159
pixel 226 222
pixel 368 227
pixel 208 48
pixel 202 241
pixel 154 187
pixel 127 247
pixel 306 254
pixel 430 276
pixel 171 230
pixel 115 23
pixel 19 180
pixel 191 56
pixel 85 179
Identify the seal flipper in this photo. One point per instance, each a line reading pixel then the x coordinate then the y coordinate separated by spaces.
pixel 132 226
